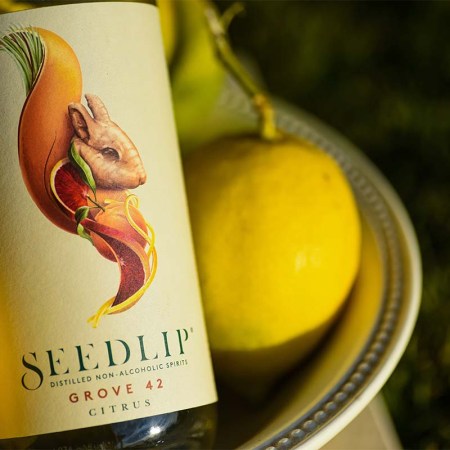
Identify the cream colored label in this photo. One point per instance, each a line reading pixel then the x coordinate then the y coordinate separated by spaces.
pixel 100 313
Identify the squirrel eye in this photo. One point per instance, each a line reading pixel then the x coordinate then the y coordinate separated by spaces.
pixel 110 153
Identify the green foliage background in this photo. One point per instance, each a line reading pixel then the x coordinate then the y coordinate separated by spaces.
pixel 379 72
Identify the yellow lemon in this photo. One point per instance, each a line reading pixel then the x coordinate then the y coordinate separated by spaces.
pixel 168 26
pixel 11 6
pixel 277 238
pixel 196 75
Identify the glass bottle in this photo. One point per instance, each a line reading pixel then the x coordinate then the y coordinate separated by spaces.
pixel 77 363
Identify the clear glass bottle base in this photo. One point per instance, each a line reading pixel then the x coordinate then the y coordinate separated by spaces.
pixel 191 429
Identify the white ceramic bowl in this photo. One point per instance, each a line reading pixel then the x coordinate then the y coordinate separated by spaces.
pixel 315 402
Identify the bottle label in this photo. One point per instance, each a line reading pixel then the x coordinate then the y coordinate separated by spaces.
pixel 100 312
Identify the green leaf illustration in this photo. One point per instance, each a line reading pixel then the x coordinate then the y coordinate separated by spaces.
pixel 80 214
pixel 25 46
pixel 83 167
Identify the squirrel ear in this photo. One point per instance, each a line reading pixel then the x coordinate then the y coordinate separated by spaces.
pixel 97 107
pixel 81 120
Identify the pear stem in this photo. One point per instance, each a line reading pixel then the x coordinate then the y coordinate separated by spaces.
pixel 224 51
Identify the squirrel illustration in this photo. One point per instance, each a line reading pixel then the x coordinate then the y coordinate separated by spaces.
pixel 113 158
pixel 78 167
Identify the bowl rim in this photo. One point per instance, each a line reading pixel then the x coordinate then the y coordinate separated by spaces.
pixel 388 351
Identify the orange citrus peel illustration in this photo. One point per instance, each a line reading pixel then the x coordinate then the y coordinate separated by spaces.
pixel 148 261
pixel 45 131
